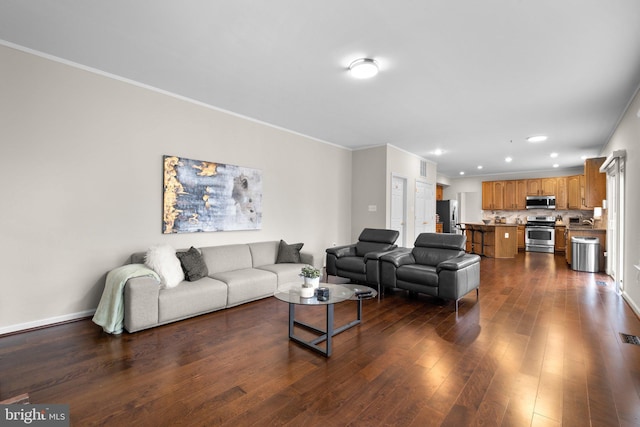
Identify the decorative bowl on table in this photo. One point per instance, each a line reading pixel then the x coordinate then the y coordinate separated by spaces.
pixel 486 221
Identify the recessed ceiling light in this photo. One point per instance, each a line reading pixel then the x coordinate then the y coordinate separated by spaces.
pixel 584 157
pixel 363 68
pixel 438 152
pixel 553 155
pixel 508 159
pixel 555 165
pixel 461 172
pixel 537 138
pixel 479 166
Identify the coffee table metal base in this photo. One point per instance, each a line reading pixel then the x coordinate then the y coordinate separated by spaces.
pixel 325 335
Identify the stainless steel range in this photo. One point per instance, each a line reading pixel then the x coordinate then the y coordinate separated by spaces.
pixel 540 234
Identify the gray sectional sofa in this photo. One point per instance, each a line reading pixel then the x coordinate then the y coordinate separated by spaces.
pixel 237 274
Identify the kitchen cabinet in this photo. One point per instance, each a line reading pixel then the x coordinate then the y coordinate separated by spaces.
pixel 541 187
pixel 515 194
pixel 561 238
pixel 492 195
pixel 595 183
pixel 561 193
pixel 520 237
pixel 439 192
pixel 574 192
pixel 439 227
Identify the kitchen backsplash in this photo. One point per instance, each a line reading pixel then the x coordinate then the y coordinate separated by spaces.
pixel 512 217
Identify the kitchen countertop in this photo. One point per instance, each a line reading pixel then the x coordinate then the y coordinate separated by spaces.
pixel 511 224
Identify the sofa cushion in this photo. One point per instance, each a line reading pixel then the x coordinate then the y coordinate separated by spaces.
pixel 416 273
pixel 263 253
pixel 226 258
pixel 288 253
pixel 247 284
pixel 286 272
pixel 163 260
pixel 191 299
pixel 193 264
pixel 433 256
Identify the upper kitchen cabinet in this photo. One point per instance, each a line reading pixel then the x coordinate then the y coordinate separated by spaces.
pixel 562 201
pixel 492 195
pixel 575 192
pixel 439 192
pixel 595 183
pixel 515 194
pixel 541 187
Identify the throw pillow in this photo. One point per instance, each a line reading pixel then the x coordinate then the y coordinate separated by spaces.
pixel 193 264
pixel 163 260
pixel 289 253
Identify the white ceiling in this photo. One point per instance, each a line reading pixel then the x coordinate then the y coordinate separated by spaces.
pixel 474 78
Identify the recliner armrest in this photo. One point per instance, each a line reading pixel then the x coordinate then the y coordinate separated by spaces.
pixel 376 255
pixel 399 257
pixel 458 263
pixel 340 251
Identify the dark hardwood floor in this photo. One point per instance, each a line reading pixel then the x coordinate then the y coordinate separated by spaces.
pixel 541 347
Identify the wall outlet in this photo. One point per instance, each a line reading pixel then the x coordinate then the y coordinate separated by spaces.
pixel 506 235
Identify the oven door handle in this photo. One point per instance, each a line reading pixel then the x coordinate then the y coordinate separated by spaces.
pixel 540 227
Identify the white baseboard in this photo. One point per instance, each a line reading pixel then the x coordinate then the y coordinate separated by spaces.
pixel 46 322
pixel 631 303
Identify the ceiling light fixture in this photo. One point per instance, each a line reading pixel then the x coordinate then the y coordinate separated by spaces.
pixel 537 138
pixel 438 152
pixel 553 155
pixel 363 68
pixel 555 165
pixel 461 172
pixel 508 159
pixel 479 166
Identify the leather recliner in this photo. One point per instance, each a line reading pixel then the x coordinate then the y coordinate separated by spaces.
pixel 360 261
pixel 436 266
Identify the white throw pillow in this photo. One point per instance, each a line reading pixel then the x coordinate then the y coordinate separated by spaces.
pixel 163 260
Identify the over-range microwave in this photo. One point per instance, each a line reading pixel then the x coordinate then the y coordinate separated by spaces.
pixel 541 202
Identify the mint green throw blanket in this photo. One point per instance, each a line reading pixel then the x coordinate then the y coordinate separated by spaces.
pixel 110 311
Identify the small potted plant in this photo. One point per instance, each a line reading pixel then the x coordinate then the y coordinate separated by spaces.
pixel 311 275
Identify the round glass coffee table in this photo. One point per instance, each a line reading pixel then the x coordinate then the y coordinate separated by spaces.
pixel 337 294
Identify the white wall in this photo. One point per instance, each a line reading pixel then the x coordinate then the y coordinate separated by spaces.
pixel 627 137
pixel 368 189
pixel 82 173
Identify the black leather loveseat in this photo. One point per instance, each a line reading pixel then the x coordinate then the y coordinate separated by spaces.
pixel 360 261
pixel 436 266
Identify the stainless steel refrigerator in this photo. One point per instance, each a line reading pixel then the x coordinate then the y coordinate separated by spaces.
pixel 448 212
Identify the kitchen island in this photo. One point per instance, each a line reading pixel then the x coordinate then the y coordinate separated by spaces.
pixel 492 240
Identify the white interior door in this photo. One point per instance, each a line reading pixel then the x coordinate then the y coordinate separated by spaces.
pixel 398 207
pixel 425 217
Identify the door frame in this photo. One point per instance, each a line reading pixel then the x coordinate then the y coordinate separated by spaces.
pixel 403 233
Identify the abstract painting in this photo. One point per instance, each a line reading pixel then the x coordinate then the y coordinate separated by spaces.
pixel 204 196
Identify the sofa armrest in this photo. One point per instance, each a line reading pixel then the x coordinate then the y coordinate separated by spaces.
pixel 307 258
pixel 377 255
pixel 141 303
pixel 341 251
pixel 399 257
pixel 458 263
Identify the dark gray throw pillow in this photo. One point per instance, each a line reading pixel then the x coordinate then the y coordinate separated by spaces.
pixel 289 253
pixel 193 264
